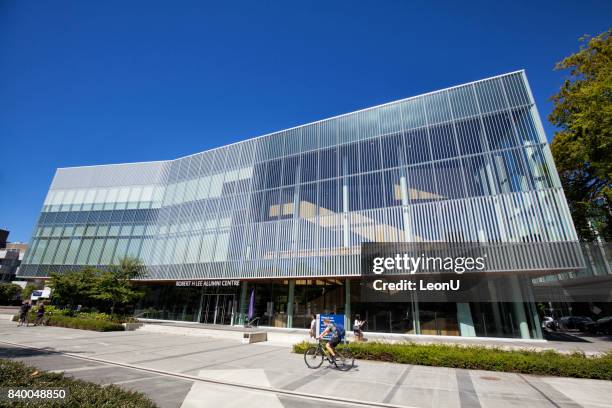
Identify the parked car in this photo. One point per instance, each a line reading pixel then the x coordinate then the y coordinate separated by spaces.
pixel 578 323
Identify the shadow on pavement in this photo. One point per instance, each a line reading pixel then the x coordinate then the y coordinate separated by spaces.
pixel 558 336
pixel 18 352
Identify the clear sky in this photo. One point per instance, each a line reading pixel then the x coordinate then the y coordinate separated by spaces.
pixel 96 82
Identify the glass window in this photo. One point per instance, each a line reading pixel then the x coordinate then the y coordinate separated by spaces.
pixel 525 127
pixel 478 176
pixel 354 194
pixel 309 165
pixel 463 102
pixel 308 200
pixel 96 251
pixel 328 197
pixel 271 205
pixel 421 185
pixel 273 176
pixel 107 252
pixel 372 195
pixel 469 136
pixel 490 95
pixel 73 250
pixel 328 163
pixel 509 171
pixel 393 151
pixel 449 179
pixel 349 159
pixel 84 251
pixel 348 126
pixel 310 137
pixel 287 199
pixel 62 249
pixel 369 151
pixel 392 188
pixel 413 115
pixel 368 123
pixel 390 118
pixel 443 143
pixel 328 135
pixel 290 167
pixel 499 132
pixel 437 108
pixel 416 144
pixel 538 167
pixel 516 90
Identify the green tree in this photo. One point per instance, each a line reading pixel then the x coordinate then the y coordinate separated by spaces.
pixel 582 148
pixel 75 288
pixel 29 288
pixel 9 292
pixel 114 287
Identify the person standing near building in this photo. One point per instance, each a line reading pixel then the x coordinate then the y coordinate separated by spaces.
pixel 358 328
pixel 313 326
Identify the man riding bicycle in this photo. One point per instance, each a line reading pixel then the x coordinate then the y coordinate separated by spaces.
pixel 335 337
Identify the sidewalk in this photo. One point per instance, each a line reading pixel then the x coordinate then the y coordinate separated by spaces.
pixel 564 343
pixel 175 362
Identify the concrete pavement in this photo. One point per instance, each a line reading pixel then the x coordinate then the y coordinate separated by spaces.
pixel 168 367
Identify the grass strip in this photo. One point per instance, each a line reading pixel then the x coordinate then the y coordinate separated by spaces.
pixel 80 393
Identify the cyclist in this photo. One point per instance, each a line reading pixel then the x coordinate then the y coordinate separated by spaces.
pixel 40 314
pixel 335 337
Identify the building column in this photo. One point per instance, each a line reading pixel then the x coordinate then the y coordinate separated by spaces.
pixel 290 301
pixel 347 305
pixel 464 317
pixel 243 304
pixel 345 206
pixel 519 308
pixel 533 310
pixel 497 320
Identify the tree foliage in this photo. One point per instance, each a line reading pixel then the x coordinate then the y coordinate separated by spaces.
pixel 582 148
pixel 104 290
pixel 9 292
pixel 114 286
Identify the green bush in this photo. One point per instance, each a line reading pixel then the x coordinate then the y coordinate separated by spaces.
pixel 9 293
pixel 482 358
pixel 80 393
pixel 84 323
pixel 77 323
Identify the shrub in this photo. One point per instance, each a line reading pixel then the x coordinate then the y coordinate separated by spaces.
pixel 9 293
pixel 80 393
pixel 84 323
pixel 483 358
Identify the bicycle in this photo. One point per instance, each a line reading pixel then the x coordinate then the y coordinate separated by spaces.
pixel 314 356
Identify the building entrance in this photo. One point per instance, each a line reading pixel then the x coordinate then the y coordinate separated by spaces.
pixel 218 308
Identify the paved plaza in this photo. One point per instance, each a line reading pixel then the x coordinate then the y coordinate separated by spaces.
pixel 187 371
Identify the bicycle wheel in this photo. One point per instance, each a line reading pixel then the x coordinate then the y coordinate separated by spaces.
pixel 313 357
pixel 344 359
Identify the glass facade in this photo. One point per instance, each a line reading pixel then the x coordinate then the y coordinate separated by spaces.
pixel 465 164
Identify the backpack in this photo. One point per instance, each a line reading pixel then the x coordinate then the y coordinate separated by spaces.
pixel 341 332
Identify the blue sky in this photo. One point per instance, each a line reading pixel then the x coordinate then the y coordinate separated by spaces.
pixel 84 82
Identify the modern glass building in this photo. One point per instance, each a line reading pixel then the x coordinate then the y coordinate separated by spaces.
pixel 284 214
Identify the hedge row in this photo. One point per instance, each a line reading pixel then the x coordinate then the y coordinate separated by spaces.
pixel 482 358
pixel 79 323
pixel 80 393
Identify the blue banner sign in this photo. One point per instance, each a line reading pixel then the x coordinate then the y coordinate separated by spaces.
pixel 337 319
